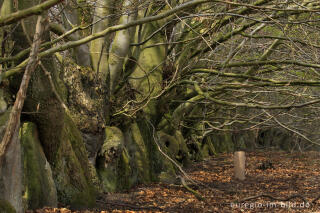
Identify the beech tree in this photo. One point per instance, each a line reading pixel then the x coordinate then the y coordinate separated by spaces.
pixel 114 93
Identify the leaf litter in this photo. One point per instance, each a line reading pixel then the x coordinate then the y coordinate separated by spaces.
pixel 291 185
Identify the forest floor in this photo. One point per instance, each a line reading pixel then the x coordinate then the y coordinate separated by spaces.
pixel 291 184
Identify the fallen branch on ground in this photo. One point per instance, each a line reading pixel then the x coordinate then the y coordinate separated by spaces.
pixel 274 198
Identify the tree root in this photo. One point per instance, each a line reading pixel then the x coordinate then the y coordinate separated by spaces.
pixel 194 192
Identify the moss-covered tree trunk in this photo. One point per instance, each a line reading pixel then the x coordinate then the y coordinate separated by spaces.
pixel 61 141
pixel 11 168
pixel 94 121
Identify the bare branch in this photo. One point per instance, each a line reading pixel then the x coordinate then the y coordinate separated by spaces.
pixel 35 10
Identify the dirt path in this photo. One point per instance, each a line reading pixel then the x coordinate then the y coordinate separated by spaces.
pixel 292 174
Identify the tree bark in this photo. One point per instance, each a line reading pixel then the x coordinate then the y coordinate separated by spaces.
pixel 13 124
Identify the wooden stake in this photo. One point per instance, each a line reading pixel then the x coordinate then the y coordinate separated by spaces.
pixel 239 165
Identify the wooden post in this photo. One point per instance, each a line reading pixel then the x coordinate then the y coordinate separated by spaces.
pixel 239 160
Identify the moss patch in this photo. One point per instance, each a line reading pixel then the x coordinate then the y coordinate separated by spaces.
pixel 147 77
pixel 40 189
pixel 71 169
pixel 113 163
pixel 139 154
pixel 124 171
pixel 175 146
pixel 207 147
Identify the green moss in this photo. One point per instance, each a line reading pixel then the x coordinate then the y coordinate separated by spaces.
pixel 4 117
pixel 156 161
pixel 208 148
pixel 273 31
pixel 6 8
pixel 40 189
pixel 72 171
pixel 183 153
pixel 175 147
pixel 172 147
pixel 169 144
pixel 108 157
pixel 169 174
pixel 83 94
pixel 147 77
pixel 113 163
pixel 124 172
pixel 114 138
pixel 160 168
pixel 108 177
pixel 140 155
pixel 133 157
pixel 164 124
pixel 6 207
